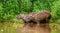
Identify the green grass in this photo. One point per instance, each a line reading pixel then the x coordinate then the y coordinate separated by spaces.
pixel 55 27
pixel 9 27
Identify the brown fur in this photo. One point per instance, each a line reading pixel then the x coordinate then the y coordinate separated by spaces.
pixel 36 22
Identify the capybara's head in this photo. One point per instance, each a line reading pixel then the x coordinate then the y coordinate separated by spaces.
pixel 23 16
pixel 20 16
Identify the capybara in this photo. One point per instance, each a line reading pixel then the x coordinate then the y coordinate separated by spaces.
pixel 36 22
pixel 36 17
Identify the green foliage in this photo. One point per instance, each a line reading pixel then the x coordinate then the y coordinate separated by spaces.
pixel 41 5
pixel 55 10
pixel 13 7
pixel 10 8
pixel 25 6
pixel 1 11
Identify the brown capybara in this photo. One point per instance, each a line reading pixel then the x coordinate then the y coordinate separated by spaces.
pixel 36 22
pixel 37 17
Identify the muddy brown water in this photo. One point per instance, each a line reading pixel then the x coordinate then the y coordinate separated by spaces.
pixel 34 29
